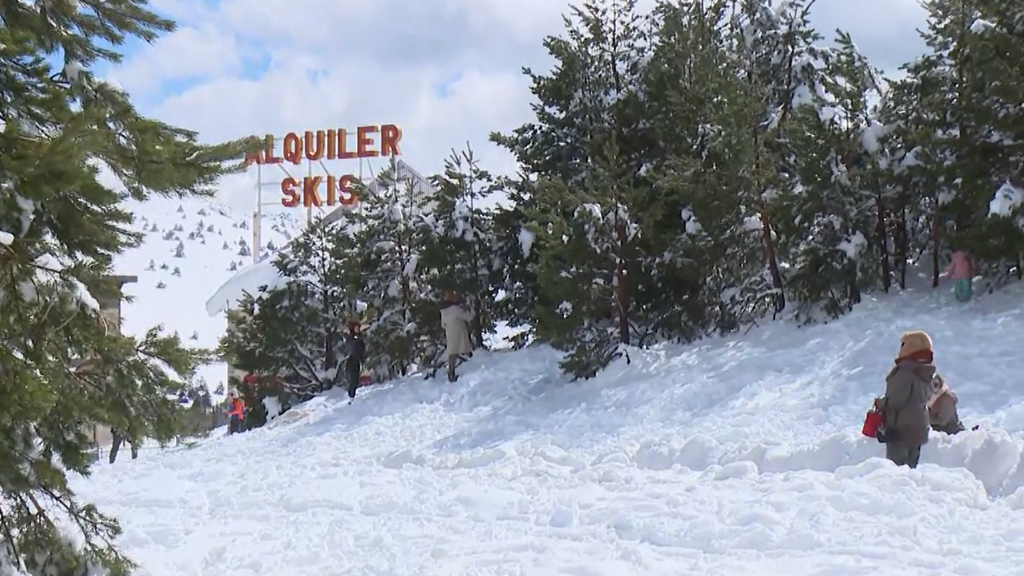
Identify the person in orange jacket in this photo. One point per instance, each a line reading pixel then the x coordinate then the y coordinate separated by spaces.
pixel 236 412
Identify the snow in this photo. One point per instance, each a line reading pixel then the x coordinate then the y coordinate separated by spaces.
pixel 854 245
pixel 981 25
pixel 690 223
pixel 1006 200
pixel 526 239
pixel 738 455
pixel 872 135
pixel 73 70
pixel 6 238
pixel 247 280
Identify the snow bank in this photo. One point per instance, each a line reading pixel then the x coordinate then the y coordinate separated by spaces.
pixel 737 455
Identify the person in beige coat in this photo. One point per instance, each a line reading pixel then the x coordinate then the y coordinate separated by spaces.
pixel 904 408
pixel 455 320
pixel 942 408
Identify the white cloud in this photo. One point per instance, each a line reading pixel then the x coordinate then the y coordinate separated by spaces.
pixel 346 63
pixel 189 53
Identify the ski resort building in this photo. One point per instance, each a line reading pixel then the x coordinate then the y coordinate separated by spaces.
pixel 263 272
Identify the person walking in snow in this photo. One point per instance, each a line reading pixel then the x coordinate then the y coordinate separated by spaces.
pixel 455 320
pixel 942 408
pixel 236 413
pixel 117 439
pixel 904 408
pixel 356 349
pixel 961 271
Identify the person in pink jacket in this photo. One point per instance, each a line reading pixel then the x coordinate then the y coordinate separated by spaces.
pixel 961 271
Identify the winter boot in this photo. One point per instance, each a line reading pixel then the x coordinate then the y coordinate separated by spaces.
pixel 451 368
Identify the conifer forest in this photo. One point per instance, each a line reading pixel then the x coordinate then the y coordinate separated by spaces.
pixel 690 171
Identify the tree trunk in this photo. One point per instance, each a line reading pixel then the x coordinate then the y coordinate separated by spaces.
pixel 771 260
pixel 936 244
pixel 901 246
pixel 621 279
pixel 881 230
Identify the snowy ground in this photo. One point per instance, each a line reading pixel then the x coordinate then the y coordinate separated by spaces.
pixel 736 456
pixel 211 239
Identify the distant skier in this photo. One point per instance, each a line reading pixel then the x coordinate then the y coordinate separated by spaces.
pixel 961 271
pixel 455 320
pixel 904 408
pixel 942 408
pixel 236 413
pixel 356 348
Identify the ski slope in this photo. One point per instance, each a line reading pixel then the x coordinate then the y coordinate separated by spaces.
pixel 190 247
pixel 735 456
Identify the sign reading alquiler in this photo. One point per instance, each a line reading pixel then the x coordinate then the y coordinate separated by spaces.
pixel 333 144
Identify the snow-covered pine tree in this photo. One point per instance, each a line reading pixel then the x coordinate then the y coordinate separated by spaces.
pixel 999 43
pixel 995 50
pixel 61 367
pixel 695 226
pixel 589 269
pixel 585 147
pixel 828 241
pixel 390 224
pixel 321 264
pixel 776 55
pixel 953 132
pixel 514 274
pixel 296 332
pixel 457 247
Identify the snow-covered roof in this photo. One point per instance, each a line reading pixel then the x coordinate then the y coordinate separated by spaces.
pixel 247 280
pixel 264 273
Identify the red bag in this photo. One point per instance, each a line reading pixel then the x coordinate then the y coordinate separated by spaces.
pixel 872 422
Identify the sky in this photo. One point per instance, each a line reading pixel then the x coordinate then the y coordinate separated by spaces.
pixel 448 72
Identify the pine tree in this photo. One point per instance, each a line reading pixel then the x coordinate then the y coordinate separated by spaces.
pixel 295 332
pixel 775 54
pixel 589 269
pixel 836 208
pixel 995 50
pixel 709 262
pixel 390 224
pixel 954 123
pixel 586 146
pixel 514 273
pixel 458 247
pixel 60 228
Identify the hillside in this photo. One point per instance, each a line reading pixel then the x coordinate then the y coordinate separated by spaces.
pixel 735 456
pixel 191 247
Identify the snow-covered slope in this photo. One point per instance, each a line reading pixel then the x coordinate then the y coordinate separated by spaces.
pixel 190 248
pixel 735 456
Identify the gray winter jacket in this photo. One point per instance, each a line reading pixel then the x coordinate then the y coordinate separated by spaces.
pixel 908 387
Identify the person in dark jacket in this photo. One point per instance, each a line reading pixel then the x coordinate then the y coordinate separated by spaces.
pixel 117 439
pixel 908 388
pixel 356 349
